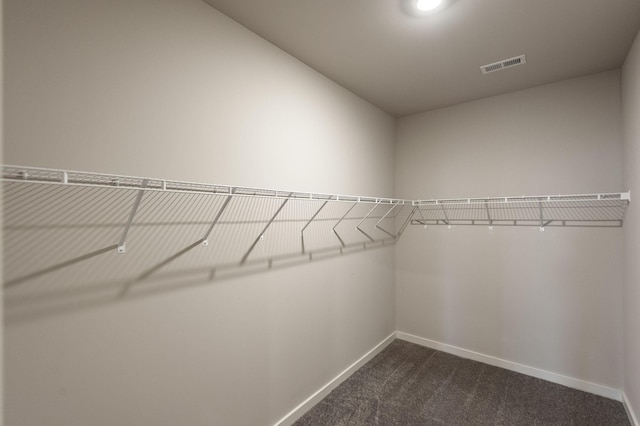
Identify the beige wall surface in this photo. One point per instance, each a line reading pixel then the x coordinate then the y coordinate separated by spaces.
pixel 1 245
pixel 173 89
pixel 550 300
pixel 631 168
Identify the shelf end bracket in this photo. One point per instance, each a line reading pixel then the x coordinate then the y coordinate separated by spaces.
pixel 122 249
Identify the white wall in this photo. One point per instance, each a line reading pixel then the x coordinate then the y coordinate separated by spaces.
pixel 174 89
pixel 550 300
pixel 631 168
pixel 1 245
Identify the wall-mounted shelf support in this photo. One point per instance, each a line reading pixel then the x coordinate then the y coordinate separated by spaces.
pixel 365 218
pixel 340 221
pixel 486 206
pixel 261 235
pixel 384 217
pixel 134 209
pixel 205 239
pixel 309 223
pixel 446 216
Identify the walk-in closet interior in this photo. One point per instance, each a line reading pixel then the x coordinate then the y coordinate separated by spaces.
pixel 363 212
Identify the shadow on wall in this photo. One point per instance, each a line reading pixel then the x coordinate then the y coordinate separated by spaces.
pixel 70 247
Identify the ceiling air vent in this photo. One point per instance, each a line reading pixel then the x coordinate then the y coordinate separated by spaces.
pixel 504 64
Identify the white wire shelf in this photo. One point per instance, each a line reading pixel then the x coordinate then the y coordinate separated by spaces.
pixel 76 232
pixel 72 229
pixel 87 179
pixel 583 210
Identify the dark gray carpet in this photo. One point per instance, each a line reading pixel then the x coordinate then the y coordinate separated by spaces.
pixel 407 384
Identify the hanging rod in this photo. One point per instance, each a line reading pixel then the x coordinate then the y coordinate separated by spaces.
pixel 584 210
pixel 87 179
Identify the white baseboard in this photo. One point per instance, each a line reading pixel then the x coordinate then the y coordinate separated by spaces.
pixel 630 413
pixel 307 404
pixel 571 382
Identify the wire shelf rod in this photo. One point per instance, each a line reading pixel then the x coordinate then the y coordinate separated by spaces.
pixel 88 179
pixel 613 196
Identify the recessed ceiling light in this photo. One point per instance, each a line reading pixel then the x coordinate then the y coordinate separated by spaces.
pixel 423 7
pixel 426 5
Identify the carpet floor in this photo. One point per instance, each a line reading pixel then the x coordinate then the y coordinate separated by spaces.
pixel 407 384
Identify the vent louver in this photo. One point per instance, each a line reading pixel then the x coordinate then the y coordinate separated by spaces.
pixel 506 63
